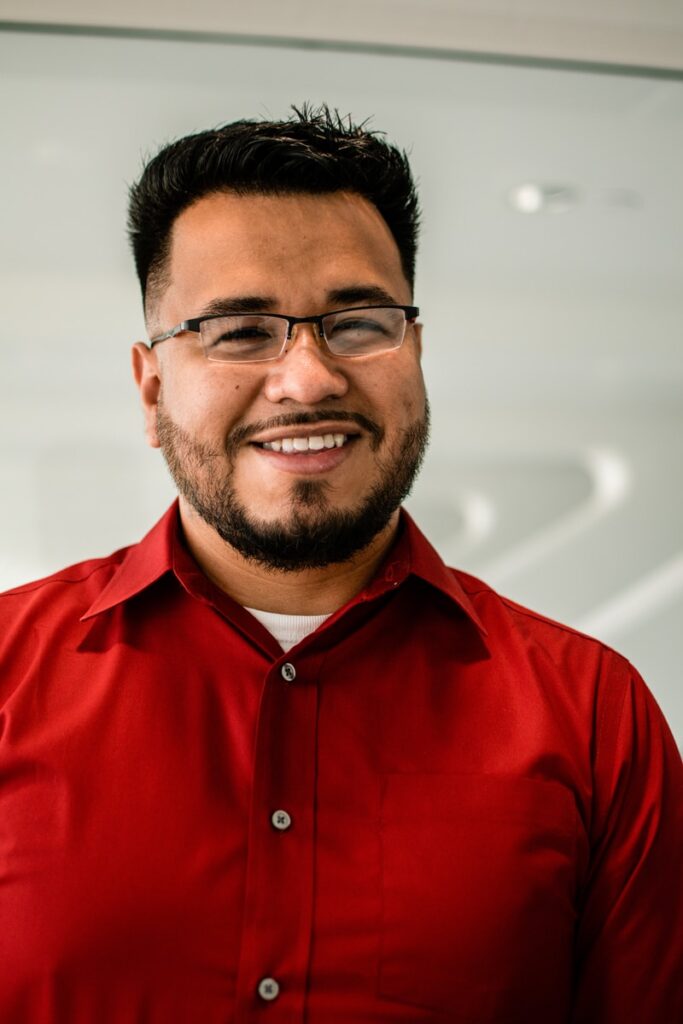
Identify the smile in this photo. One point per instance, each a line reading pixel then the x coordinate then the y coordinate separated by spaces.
pixel 315 443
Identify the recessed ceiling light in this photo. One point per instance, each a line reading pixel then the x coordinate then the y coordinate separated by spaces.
pixel 533 197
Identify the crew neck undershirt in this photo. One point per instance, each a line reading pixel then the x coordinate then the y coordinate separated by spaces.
pixel 288 630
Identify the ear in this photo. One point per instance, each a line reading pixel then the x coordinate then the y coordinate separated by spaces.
pixel 148 379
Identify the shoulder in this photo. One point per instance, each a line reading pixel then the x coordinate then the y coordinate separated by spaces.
pixel 533 637
pixel 582 678
pixel 493 605
pixel 68 591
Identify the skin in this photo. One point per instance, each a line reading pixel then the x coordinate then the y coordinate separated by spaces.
pixel 295 249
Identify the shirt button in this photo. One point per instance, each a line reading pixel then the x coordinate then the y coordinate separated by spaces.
pixel 281 820
pixel 288 672
pixel 268 989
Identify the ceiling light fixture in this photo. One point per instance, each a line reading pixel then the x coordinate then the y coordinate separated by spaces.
pixel 533 197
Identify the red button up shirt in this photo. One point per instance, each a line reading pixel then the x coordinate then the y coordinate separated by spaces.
pixel 438 807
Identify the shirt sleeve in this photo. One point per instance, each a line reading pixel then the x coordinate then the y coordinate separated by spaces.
pixel 629 953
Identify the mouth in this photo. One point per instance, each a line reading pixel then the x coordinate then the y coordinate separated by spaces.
pixel 302 451
pixel 306 443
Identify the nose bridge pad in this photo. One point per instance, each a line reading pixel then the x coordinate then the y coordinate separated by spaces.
pixel 317 329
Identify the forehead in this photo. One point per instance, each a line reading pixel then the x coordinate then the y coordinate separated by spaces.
pixel 295 247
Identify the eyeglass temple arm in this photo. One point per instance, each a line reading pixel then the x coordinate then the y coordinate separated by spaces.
pixel 178 329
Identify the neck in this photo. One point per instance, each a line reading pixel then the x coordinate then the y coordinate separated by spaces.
pixel 307 592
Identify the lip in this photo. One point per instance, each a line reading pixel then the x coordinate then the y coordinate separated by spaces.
pixel 308 430
pixel 306 463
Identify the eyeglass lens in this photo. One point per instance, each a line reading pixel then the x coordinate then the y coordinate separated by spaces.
pixel 254 337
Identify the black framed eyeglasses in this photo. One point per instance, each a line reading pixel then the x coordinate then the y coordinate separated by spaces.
pixel 257 337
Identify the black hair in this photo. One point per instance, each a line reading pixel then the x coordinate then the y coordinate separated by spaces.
pixel 315 152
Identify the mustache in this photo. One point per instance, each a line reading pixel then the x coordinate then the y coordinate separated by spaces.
pixel 240 435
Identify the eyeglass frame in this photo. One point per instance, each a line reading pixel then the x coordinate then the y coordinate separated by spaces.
pixel 411 314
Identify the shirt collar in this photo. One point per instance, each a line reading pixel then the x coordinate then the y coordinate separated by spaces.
pixel 143 564
pixel 158 553
pixel 413 555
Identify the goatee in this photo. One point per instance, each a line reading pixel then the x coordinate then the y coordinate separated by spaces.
pixel 316 534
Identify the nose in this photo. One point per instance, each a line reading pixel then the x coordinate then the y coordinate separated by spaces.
pixel 307 373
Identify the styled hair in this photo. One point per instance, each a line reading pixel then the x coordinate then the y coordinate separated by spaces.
pixel 314 152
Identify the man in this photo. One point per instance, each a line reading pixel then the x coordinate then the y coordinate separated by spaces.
pixel 277 762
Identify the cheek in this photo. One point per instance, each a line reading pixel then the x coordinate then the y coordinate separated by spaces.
pixel 207 405
pixel 400 397
pixel 415 398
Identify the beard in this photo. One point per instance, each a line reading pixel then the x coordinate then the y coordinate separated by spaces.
pixel 316 534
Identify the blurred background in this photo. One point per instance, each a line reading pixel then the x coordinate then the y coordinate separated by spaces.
pixel 547 139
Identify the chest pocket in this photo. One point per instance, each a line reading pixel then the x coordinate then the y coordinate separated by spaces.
pixel 478 880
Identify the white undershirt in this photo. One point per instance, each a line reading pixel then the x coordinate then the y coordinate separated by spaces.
pixel 288 630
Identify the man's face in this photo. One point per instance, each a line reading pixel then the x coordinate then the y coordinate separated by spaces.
pixel 211 419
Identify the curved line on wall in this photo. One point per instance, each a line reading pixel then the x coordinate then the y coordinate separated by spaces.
pixel 637 602
pixel 611 479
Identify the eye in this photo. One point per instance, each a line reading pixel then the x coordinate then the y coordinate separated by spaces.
pixel 362 325
pixel 240 333
pixel 356 332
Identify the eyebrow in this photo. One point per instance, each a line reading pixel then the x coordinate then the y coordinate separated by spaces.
pixel 352 294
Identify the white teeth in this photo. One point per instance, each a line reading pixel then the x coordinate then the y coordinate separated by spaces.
pixel 305 444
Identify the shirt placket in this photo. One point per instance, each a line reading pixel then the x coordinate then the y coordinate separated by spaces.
pixel 278 902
